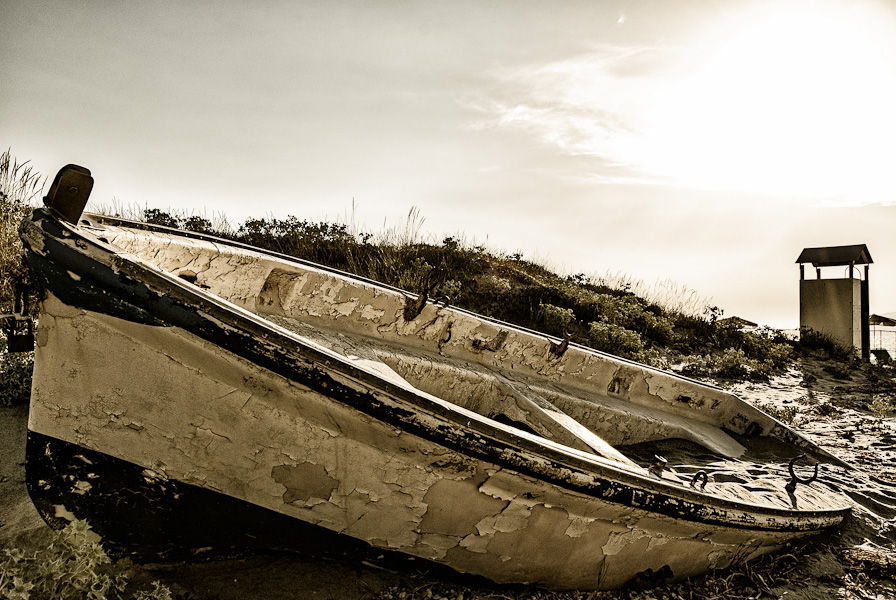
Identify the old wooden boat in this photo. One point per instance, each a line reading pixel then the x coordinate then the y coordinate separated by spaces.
pixel 193 393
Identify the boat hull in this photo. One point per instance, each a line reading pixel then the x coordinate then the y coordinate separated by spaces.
pixel 151 396
pixel 183 411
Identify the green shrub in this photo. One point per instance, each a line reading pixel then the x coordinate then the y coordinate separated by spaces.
pixel 327 243
pixel 730 364
pixel 554 319
pixel 506 287
pixel 615 339
pixel 767 345
pixel 839 370
pixel 159 217
pixel 816 341
pixel 722 348
pixel 18 188
pixel 735 364
pixel 786 415
pixel 842 360
pixel 74 567
pixel 881 406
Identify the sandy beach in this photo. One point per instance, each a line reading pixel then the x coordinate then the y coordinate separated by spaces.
pixel 852 418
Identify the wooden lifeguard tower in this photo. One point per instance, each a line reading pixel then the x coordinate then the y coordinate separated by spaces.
pixel 838 307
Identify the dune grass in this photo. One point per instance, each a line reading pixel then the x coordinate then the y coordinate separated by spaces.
pixel 20 185
pixel 664 324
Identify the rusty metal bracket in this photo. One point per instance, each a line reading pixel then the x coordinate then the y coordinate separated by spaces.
pixel 413 307
pixel 571 330
pixel 443 300
pixel 795 479
pixel 445 335
pixel 702 477
pixel 479 344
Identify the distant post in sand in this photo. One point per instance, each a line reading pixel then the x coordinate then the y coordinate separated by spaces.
pixel 838 307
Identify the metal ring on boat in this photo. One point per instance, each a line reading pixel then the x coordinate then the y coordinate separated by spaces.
pixel 702 476
pixel 795 479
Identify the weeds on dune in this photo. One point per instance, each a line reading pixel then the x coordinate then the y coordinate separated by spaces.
pixel 838 370
pixel 604 313
pixel 730 351
pixel 843 359
pixel 871 570
pixel 786 414
pixel 870 559
pixel 218 225
pixel 827 410
pixel 880 379
pixel 73 567
pixel 19 186
pixel 749 580
pixel 881 406
pixel 614 313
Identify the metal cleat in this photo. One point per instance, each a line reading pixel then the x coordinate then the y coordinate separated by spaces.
pixel 69 193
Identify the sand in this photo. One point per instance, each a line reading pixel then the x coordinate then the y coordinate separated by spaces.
pixel 854 419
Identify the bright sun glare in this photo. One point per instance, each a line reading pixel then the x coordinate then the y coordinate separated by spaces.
pixel 794 99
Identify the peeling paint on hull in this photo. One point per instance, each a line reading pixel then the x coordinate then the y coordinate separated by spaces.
pixel 305 394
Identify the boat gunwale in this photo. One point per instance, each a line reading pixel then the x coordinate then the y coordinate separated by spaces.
pixel 789 434
pixel 153 227
pixel 503 441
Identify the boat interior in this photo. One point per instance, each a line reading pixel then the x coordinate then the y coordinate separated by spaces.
pixel 511 376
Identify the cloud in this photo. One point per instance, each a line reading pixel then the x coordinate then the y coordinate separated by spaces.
pixel 590 105
pixel 793 106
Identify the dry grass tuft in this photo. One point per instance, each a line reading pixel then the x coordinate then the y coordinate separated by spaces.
pixel 871 559
pixel 20 185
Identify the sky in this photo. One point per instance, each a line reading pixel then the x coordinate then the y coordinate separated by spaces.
pixel 686 144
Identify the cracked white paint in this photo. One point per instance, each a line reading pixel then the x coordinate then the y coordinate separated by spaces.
pixel 578 526
pixel 619 541
pixel 385 503
pixel 193 412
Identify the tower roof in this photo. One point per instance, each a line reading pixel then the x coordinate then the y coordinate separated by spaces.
pixel 835 256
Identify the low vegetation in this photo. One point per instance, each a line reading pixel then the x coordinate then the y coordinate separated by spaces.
pixel 666 331
pixel 670 330
pixel 667 326
pixel 19 186
pixel 73 567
